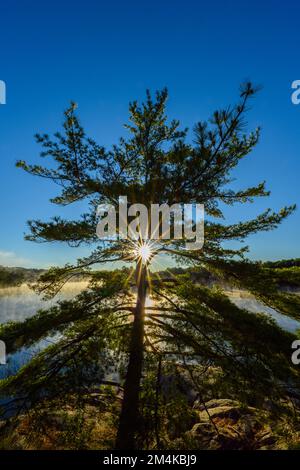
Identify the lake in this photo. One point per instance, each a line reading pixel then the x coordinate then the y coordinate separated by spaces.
pixel 18 303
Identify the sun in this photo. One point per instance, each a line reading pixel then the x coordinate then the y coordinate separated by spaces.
pixel 144 252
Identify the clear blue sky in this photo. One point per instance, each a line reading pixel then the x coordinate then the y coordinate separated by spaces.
pixel 104 54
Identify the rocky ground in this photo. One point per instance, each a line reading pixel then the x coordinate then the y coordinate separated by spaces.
pixel 225 424
pixel 219 424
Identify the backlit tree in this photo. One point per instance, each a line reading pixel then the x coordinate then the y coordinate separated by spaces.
pixel 187 323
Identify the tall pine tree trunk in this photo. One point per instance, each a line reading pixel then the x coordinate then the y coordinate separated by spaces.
pixel 129 418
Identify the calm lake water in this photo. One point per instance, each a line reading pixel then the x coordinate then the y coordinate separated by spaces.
pixel 18 303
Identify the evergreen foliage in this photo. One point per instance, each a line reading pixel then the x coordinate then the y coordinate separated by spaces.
pixel 224 349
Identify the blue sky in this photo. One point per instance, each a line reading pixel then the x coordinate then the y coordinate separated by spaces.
pixel 104 54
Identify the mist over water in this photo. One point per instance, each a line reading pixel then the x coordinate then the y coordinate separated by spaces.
pixel 247 301
pixel 19 303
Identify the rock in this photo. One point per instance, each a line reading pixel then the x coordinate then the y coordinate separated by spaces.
pixel 219 412
pixel 203 430
pixel 230 425
pixel 214 403
pixel 267 439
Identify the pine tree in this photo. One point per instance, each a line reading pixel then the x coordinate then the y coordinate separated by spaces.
pixel 188 323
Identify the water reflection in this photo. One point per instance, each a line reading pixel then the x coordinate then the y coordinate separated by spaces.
pixel 247 301
pixel 19 303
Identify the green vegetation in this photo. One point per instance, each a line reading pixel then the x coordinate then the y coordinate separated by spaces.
pixel 191 337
